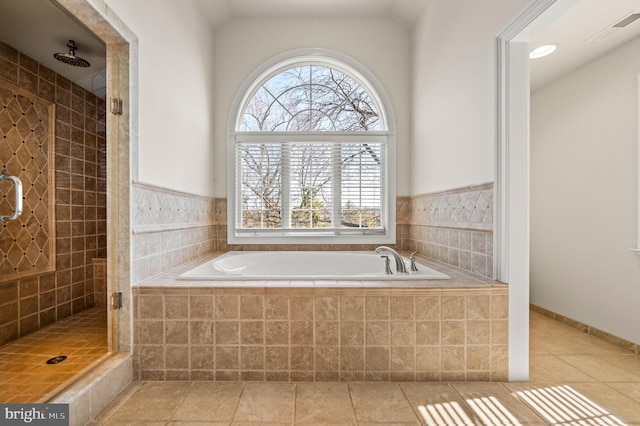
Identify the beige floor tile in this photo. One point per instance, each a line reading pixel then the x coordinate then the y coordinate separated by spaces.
pixel 110 408
pixel 560 403
pixel 261 423
pixel 576 344
pixel 131 423
pixel 210 402
pixel 562 358
pixel 611 368
pixel 152 401
pixel 612 401
pixel 435 402
pixel 381 402
pixel 197 424
pixel 266 402
pixel 493 401
pixel 551 327
pixel 551 368
pixel 632 390
pixel 323 403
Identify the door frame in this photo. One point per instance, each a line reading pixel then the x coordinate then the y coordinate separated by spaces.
pixel 512 162
pixel 121 140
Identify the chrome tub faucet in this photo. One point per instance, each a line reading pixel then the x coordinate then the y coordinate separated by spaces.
pixel 400 266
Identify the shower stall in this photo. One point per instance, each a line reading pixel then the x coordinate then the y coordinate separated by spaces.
pixel 53 229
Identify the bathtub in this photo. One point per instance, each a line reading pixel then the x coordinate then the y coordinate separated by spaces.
pixel 312 320
pixel 304 265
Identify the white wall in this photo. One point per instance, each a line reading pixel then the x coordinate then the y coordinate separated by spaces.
pixel 176 69
pixel 453 92
pixel 584 193
pixel 381 45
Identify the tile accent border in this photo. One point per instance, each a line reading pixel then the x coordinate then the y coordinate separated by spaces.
pixel 585 328
pixel 455 227
pixel 169 228
pixel 470 207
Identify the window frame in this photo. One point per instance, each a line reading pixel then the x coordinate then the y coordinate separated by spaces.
pixel 367 80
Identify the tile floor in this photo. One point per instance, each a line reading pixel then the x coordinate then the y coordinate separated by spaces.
pixel 24 375
pixel 576 379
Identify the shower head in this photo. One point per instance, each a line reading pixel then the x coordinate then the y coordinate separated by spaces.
pixel 71 58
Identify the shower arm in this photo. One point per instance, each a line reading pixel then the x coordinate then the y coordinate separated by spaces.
pixel 4 175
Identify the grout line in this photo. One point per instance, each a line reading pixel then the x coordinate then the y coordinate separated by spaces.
pixel 118 402
pixel 353 407
pixel 295 400
pixel 235 410
pixel 406 397
pixel 175 410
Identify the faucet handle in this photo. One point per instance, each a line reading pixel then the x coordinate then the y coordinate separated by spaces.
pixel 412 258
pixel 387 265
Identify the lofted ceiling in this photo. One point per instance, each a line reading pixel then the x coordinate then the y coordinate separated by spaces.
pixel 39 29
pixel 405 12
pixel 574 33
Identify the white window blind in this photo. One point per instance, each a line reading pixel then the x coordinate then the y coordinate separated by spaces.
pixel 335 186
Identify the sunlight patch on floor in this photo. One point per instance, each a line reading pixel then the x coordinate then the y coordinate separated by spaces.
pixel 492 412
pixel 562 405
pixel 558 405
pixel 447 413
pixel 488 409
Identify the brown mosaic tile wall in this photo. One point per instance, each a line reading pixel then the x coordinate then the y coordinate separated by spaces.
pixel 26 151
pixel 329 334
pixel 80 201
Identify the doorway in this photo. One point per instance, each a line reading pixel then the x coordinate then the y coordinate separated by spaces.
pixel 511 257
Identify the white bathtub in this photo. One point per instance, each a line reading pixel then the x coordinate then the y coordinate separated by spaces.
pixel 304 265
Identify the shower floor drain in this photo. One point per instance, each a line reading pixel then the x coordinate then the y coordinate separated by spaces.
pixel 56 359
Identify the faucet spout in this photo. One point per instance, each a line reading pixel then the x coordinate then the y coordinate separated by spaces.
pixel 400 265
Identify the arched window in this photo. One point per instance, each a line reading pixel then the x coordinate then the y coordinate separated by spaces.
pixel 310 156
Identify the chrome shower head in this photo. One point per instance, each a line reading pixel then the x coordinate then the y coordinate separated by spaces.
pixel 71 58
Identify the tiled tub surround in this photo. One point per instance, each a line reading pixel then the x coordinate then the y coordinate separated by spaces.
pixel 80 201
pixel 455 227
pixel 170 228
pixel 316 331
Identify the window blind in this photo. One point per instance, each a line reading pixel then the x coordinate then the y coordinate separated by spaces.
pixel 310 186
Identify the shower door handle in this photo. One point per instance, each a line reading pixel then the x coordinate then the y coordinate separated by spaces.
pixel 17 183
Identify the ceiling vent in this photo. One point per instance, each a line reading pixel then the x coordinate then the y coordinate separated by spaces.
pixel 614 28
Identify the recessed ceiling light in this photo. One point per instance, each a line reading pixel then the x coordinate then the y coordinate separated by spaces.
pixel 542 51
